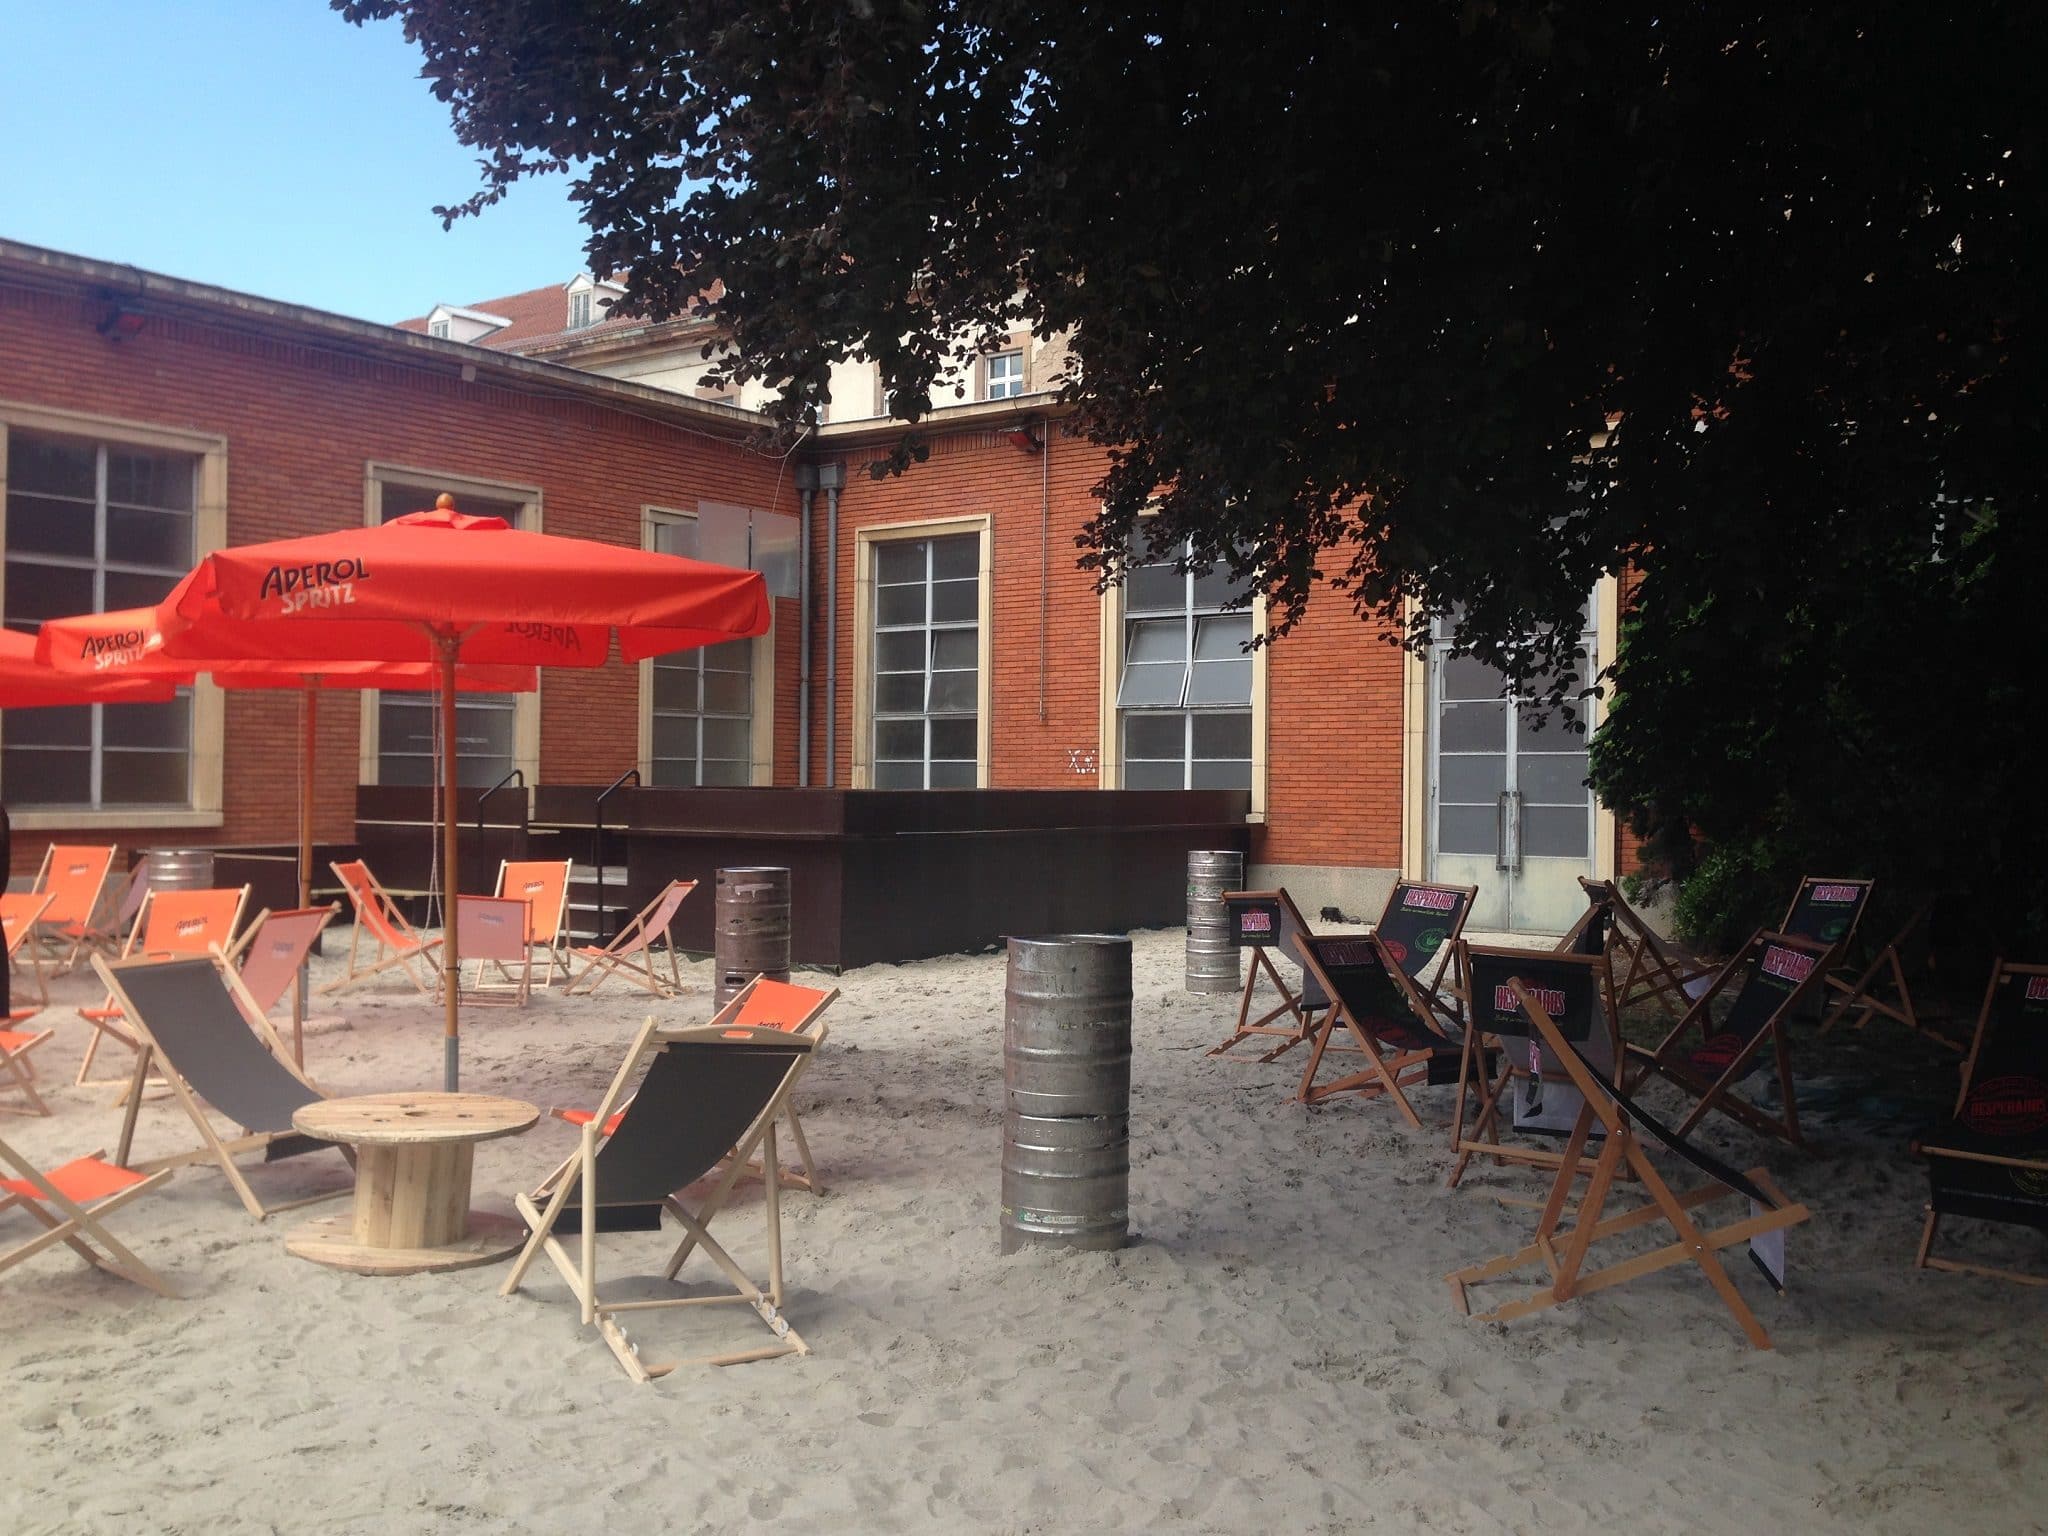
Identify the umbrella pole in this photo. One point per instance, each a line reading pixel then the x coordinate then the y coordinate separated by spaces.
pixel 308 724
pixel 451 962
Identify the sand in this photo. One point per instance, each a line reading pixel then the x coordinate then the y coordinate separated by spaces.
pixel 1276 1351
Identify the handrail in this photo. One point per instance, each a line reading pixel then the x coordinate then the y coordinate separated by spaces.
pixel 516 773
pixel 597 846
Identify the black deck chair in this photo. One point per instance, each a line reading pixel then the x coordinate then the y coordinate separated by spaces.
pixel 1641 966
pixel 710 1095
pixel 1828 910
pixel 1574 990
pixel 1263 921
pixel 1990 1162
pixel 1776 972
pixel 213 1045
pixel 1408 1036
pixel 1564 1253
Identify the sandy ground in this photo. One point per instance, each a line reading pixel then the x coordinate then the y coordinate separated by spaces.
pixel 1276 1351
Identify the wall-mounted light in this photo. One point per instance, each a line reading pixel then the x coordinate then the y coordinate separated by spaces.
pixel 120 322
pixel 1021 438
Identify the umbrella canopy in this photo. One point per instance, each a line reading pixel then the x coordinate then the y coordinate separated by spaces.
pixel 26 683
pixel 450 588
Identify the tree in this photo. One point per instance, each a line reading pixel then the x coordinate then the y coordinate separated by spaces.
pixel 1353 293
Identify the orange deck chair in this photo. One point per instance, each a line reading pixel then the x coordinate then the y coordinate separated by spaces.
pixel 631 952
pixel 20 911
pixel 115 915
pixel 73 876
pixel 398 942
pixel 170 925
pixel 69 1202
pixel 16 1070
pixel 496 932
pixel 278 945
pixel 762 1004
pixel 542 884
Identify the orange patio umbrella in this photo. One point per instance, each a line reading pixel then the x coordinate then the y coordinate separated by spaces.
pixel 443 587
pixel 26 683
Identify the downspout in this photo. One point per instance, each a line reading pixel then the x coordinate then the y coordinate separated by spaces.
pixel 830 478
pixel 1044 554
pixel 806 488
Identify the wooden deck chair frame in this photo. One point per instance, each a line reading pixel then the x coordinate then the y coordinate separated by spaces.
pixel 111 920
pixel 550 918
pixel 16 1070
pixel 73 866
pixel 1391 1067
pixel 1753 963
pixel 579 1173
pixel 74 1223
pixel 1286 927
pixel 481 922
pixel 1565 1253
pixel 108 1021
pixel 213 1147
pixel 1882 988
pixel 1586 980
pixel 1644 969
pixel 2028 1175
pixel 398 942
pixel 260 954
pixel 631 951
pixel 23 910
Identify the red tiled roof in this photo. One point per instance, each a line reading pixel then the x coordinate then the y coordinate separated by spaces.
pixel 538 316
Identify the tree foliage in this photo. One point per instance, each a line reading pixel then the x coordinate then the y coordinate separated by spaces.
pixel 1355 290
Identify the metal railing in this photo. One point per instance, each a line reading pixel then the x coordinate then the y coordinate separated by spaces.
pixel 517 775
pixel 632 776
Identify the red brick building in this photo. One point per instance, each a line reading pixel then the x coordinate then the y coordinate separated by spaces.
pixel 952 641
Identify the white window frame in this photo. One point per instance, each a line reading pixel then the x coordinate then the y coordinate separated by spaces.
pixel 209 533
pixel 438 328
pixel 866 542
pixel 582 305
pixel 761 773
pixel 1110 763
pixel 989 383
pixel 525 706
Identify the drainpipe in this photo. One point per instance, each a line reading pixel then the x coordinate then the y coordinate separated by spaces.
pixel 806 488
pixel 830 478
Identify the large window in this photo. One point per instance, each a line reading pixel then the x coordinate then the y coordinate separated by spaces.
pixel 1184 702
pixel 701 702
pixel 927 662
pixel 95 525
pixel 486 724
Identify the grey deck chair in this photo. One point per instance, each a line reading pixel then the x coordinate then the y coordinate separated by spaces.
pixel 213 1045
pixel 707 1092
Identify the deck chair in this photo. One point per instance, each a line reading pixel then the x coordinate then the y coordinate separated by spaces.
pixel 20 911
pixel 1642 966
pixel 113 918
pixel 709 1095
pixel 1419 930
pixel 1882 986
pixel 631 951
pixel 1531 1085
pixel 497 933
pixel 73 875
pixel 1262 921
pixel 1405 1033
pixel 762 1003
pixel 1772 974
pixel 1990 1162
pixel 70 1201
pixel 170 923
pixel 1829 911
pixel 16 1070
pixel 278 945
pixel 196 1023
pixel 1565 1253
pixel 544 885
pixel 398 942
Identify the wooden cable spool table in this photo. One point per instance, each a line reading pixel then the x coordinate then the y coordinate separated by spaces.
pixel 414 1153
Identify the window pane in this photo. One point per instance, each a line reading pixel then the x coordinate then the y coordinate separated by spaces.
pixel 144 778
pixel 900 561
pixel 899 605
pixel 139 479
pixel 70 726
pixel 1554 832
pixel 899 693
pixel 900 651
pixel 482 729
pixel 673 537
pixel 899 775
pixel 728 693
pixel 1223 639
pixel 1155 588
pixel 1546 778
pixel 730 656
pixel 953 691
pixel 1474 780
pixel 675 685
pixel 674 736
pixel 149 538
pixel 1553 735
pixel 1478 727
pixel 1153 640
pixel 1467 677
pixel 1214 588
pixel 35 776
pixel 1468 829
pixel 733 774
pixel 36 592
pixel 899 738
pixel 404 726
pixel 133 589
pixel 957 558
pixel 954 738
pixel 166 725
pixel 1223 736
pixel 54 466
pixel 1159 736
pixel 1142 774
pixel 956 602
pixel 732 739
pixel 955 649
pixel 1221 682
pixel 43 525
pixel 953 775
pixel 1153 685
pixel 1221 775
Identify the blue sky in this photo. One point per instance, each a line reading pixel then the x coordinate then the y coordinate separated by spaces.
pixel 262 145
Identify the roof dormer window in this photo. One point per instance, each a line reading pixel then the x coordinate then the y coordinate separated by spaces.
pixel 438 329
pixel 579 309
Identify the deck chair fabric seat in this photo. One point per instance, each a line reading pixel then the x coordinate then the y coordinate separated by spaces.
pixel 1403 1031
pixel 1264 921
pixel 17 1071
pixel 1989 1162
pixel 631 952
pixel 1709 1059
pixel 543 884
pixel 495 933
pixel 73 875
pixel 20 912
pixel 69 1202
pixel 217 1051
pixel 707 1097
pixel 114 917
pixel 1564 1251
pixel 169 923
pixel 377 917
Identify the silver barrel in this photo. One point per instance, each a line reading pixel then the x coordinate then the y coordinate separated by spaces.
pixel 181 869
pixel 1067 1092
pixel 1212 949
pixel 751 928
